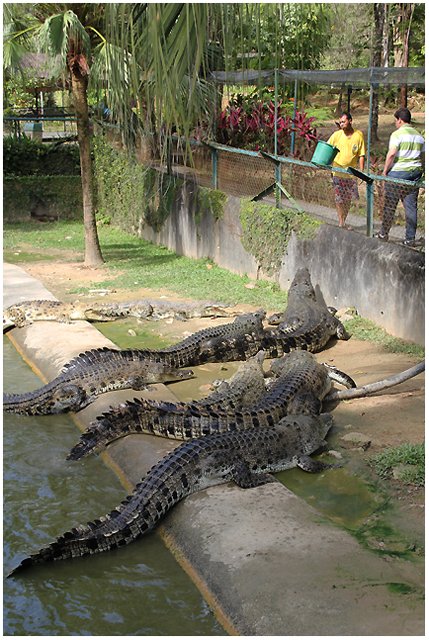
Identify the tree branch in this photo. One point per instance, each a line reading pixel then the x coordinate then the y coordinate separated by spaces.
pixel 373 387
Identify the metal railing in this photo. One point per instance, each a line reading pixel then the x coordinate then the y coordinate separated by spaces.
pixel 306 185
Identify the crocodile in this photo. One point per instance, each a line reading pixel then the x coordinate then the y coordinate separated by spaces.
pixel 25 313
pixel 107 369
pixel 77 386
pixel 299 386
pixel 306 321
pixel 247 458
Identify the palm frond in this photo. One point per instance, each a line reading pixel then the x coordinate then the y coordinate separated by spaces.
pixel 64 35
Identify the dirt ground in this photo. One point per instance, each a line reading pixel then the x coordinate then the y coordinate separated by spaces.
pixel 387 419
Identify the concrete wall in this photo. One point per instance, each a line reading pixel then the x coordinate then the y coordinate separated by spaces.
pixel 385 282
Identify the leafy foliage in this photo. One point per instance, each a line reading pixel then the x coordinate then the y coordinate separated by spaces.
pixel 129 193
pixel 26 157
pixel 50 197
pixel 266 232
pixel 248 122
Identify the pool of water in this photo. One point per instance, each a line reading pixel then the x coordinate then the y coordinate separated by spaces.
pixel 139 590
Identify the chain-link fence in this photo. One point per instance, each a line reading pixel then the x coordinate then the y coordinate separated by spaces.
pixel 305 186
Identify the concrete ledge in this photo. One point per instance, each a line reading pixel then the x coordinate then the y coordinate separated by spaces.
pixel 266 562
pixel 384 281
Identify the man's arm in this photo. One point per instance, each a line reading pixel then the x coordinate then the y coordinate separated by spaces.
pixel 361 163
pixel 389 160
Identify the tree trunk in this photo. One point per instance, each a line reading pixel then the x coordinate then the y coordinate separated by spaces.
pixel 376 56
pixel 401 38
pixel 387 37
pixel 93 256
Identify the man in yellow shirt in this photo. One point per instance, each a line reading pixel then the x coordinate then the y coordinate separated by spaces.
pixel 351 145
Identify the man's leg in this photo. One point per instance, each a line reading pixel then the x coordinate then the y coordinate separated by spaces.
pixel 410 206
pixel 392 193
pixel 343 211
pixel 342 201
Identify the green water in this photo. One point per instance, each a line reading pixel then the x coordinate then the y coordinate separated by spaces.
pixel 336 493
pixel 138 590
pixel 128 333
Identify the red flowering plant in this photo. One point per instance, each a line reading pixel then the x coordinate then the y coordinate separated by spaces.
pixel 247 122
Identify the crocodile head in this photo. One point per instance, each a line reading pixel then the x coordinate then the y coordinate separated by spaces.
pixel 301 285
pixel 250 321
pixel 159 372
pixel 13 317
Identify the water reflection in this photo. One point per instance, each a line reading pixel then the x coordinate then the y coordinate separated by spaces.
pixel 138 590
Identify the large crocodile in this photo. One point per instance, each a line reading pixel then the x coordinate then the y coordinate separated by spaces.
pixel 246 458
pixel 25 313
pixel 100 370
pixel 77 386
pixel 300 385
pixel 308 323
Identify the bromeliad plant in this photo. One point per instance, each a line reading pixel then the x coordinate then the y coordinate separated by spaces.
pixel 248 123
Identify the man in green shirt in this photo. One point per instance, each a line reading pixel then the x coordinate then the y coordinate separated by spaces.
pixel 404 161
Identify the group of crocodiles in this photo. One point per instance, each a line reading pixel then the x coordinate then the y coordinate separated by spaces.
pixel 252 425
pixel 23 314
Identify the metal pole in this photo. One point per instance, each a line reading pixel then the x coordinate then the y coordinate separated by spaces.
pixel 276 107
pixel 368 144
pixel 370 187
pixel 214 168
pixel 369 209
pixel 295 107
pixel 278 169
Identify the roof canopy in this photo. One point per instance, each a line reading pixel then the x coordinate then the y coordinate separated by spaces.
pixel 411 76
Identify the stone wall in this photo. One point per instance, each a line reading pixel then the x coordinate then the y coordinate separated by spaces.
pixel 384 282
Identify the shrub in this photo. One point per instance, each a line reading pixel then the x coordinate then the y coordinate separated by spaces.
pixel 26 157
pixel 248 122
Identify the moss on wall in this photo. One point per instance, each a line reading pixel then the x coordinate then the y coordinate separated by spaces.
pixel 210 201
pixel 129 192
pixel 267 230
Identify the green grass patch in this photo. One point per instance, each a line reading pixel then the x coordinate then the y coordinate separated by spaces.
pixel 132 262
pixel 363 329
pixel 30 237
pixel 407 459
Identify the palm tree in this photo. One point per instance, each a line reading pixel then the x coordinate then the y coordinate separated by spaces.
pixel 60 32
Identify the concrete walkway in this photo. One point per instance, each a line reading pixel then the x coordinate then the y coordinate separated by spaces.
pixel 266 562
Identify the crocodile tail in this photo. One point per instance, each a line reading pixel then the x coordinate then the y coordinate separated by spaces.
pixel 136 416
pixel 93 538
pixel 109 426
pixel 168 482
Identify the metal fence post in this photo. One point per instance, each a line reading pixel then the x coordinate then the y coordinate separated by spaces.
pixel 295 108
pixel 214 168
pixel 369 209
pixel 277 169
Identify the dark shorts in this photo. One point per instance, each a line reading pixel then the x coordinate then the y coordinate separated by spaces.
pixel 345 189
